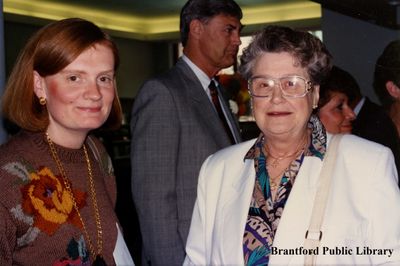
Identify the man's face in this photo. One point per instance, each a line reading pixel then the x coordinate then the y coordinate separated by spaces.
pixel 220 40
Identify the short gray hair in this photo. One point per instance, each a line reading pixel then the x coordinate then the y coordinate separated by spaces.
pixel 310 52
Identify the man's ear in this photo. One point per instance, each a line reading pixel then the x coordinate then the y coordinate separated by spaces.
pixel 393 89
pixel 38 85
pixel 196 28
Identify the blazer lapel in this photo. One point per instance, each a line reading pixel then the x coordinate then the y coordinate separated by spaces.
pixel 234 214
pixel 297 212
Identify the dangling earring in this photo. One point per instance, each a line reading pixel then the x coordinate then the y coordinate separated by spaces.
pixel 251 108
pixel 42 101
pixel 315 105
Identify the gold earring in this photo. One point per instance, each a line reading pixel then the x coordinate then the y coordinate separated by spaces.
pixel 315 106
pixel 42 101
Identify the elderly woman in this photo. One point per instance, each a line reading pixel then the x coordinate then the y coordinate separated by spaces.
pixel 255 199
pixel 336 93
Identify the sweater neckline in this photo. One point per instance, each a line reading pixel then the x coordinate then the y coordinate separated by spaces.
pixel 66 155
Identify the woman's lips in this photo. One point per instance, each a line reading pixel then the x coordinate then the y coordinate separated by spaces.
pixel 278 113
pixel 90 109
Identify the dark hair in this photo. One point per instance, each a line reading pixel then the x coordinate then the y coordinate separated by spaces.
pixel 339 80
pixel 310 52
pixel 203 10
pixel 387 68
pixel 48 51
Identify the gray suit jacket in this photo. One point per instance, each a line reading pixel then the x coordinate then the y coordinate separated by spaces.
pixel 174 128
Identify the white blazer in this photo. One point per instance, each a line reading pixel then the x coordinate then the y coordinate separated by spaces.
pixel 362 213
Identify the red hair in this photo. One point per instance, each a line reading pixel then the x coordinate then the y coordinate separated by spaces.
pixel 48 51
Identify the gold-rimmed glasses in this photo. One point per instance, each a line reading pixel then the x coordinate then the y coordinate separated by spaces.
pixel 291 86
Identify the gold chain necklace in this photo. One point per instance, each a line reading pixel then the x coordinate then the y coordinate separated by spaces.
pixel 95 255
pixel 276 180
pixel 277 159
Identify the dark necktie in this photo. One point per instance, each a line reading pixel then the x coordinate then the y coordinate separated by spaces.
pixel 217 105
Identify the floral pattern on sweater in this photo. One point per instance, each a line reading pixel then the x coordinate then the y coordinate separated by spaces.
pixel 78 254
pixel 32 191
pixel 45 198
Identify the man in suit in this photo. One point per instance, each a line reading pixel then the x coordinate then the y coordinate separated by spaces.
pixel 175 127
pixel 387 86
pixel 373 123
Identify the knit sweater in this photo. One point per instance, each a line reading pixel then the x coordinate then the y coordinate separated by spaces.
pixel 38 223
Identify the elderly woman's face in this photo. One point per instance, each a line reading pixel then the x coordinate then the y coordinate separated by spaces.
pixel 79 97
pixel 276 114
pixel 336 115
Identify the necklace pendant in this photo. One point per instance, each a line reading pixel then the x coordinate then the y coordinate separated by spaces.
pixel 275 163
pixel 273 186
pixel 99 261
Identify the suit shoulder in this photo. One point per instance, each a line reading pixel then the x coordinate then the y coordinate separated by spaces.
pixel 171 81
pixel 373 113
pixel 153 90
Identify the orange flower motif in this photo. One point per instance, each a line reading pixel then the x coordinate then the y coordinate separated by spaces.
pixel 46 198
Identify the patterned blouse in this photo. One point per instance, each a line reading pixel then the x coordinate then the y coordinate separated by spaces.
pixel 264 213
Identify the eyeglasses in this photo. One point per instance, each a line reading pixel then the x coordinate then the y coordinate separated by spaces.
pixel 291 86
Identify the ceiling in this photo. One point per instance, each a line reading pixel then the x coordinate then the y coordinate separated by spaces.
pixel 155 19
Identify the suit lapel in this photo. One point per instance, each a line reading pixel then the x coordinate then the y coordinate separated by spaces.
pixel 202 106
pixel 232 120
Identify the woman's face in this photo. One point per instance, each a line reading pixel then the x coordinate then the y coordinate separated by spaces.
pixel 336 115
pixel 277 115
pixel 79 97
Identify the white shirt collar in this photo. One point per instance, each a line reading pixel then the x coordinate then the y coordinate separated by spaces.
pixel 359 105
pixel 204 79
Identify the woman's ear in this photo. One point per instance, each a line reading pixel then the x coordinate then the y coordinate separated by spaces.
pixel 38 85
pixel 393 89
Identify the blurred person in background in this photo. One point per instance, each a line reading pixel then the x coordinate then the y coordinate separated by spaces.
pixel 387 81
pixel 334 108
